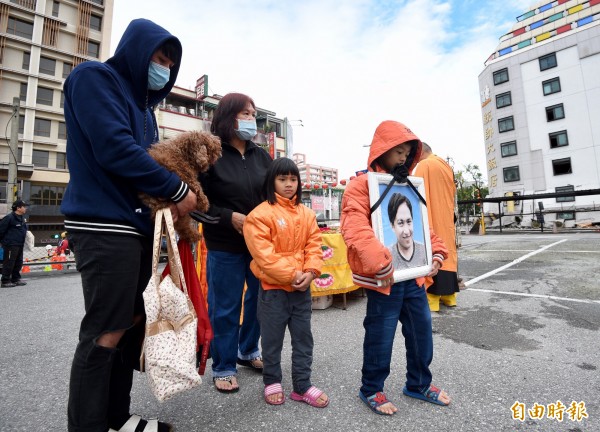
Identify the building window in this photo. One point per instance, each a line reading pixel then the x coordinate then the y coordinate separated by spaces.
pixel 21 125
pixel 41 127
pixel 558 139
pixel 506 124
pixel 94 49
pixel 95 22
pixel 19 28
pixel 45 96
pixel 62 130
pixel 551 86
pixel 46 194
pixel 61 161
pixel 555 112
pixel 562 166
pixel 29 4
pixel 26 59
pixel 62 99
pixel 39 158
pixel 565 215
pixel 511 174
pixel 547 62
pixel 501 76
pixel 67 68
pixel 55 7
pixel 98 2
pixel 565 189
pixel 503 100
pixel 509 148
pixel 23 92
pixel 47 66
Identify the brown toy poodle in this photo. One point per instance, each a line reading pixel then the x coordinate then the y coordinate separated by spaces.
pixel 187 155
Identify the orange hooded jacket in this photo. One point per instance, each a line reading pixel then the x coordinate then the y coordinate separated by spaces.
pixel 282 238
pixel 369 259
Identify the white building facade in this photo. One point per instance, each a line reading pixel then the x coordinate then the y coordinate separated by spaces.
pixel 540 98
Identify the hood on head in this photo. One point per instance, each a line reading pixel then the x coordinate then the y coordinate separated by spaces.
pixel 132 59
pixel 388 135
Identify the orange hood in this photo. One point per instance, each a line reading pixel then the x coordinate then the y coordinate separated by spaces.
pixel 388 135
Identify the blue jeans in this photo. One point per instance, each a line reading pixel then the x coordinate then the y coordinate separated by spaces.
pixel 406 303
pixel 226 273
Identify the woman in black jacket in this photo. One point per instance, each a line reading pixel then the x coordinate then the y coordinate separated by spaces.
pixel 233 187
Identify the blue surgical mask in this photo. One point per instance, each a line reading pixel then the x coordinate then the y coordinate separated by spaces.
pixel 158 76
pixel 246 129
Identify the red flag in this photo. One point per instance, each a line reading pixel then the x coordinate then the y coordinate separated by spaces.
pixel 205 332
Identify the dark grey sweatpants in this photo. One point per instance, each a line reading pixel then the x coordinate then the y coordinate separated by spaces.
pixel 278 309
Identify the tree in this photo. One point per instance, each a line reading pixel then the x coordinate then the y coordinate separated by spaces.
pixel 470 185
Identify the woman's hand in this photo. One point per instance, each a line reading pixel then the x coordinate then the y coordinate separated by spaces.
pixel 237 220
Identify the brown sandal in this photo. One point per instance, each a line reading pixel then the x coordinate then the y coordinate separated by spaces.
pixel 251 363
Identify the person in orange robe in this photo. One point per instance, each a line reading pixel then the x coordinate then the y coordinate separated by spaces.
pixel 440 191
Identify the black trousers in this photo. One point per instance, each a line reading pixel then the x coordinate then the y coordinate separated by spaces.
pixel 12 264
pixel 114 272
pixel 278 310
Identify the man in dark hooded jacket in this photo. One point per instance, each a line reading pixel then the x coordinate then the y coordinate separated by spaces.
pixel 13 229
pixel 110 123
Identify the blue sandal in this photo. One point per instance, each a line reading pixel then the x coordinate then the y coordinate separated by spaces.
pixel 375 401
pixel 430 395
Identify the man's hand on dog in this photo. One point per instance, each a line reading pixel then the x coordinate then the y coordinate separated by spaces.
pixel 184 207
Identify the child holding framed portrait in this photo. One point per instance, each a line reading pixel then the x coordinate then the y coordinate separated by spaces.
pixel 390 249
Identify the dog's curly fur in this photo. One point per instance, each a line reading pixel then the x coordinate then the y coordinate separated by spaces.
pixel 187 155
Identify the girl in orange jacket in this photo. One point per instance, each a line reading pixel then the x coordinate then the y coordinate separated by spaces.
pixel 393 146
pixel 285 243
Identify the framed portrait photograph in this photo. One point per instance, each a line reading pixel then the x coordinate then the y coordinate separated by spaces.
pixel 401 224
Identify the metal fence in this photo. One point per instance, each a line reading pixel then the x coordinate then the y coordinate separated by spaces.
pixel 43 259
pixel 537 218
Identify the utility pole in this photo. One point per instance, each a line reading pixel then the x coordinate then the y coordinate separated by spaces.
pixel 11 181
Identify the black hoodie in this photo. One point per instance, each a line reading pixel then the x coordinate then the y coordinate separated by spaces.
pixel 110 125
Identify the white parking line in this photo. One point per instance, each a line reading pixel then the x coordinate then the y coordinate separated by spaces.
pixel 534 295
pixel 510 264
pixel 501 250
pixel 518 260
pixel 529 250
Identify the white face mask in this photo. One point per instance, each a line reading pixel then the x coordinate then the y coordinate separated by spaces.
pixel 246 129
pixel 158 76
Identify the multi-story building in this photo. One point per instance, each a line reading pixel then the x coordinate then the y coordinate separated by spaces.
pixel 315 174
pixel 184 110
pixel 40 43
pixel 540 98
pixel 322 190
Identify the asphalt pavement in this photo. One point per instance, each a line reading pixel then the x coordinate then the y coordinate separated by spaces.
pixel 525 336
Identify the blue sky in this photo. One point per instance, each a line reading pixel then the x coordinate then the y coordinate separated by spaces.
pixel 343 66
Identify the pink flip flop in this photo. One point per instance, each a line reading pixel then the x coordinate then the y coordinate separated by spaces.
pixel 310 397
pixel 272 389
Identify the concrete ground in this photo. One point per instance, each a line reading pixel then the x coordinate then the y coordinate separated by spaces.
pixel 526 330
